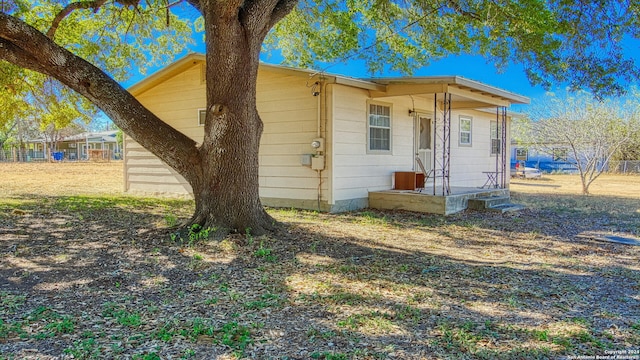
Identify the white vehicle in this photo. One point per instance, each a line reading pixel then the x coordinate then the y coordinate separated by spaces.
pixel 527 173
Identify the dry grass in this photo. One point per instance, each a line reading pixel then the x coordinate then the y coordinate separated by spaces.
pixel 95 276
pixel 68 178
pixel 624 186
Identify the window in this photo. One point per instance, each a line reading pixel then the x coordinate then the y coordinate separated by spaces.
pixel 202 115
pixel 379 128
pixel 495 139
pixel 522 154
pixel 560 154
pixel 465 131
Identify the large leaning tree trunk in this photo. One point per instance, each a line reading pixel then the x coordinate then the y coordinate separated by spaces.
pixel 223 170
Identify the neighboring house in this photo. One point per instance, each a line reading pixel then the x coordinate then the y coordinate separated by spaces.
pixel 558 158
pixel 82 146
pixel 329 140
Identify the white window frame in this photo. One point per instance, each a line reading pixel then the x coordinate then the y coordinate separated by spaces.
pixel 560 154
pixel 494 138
pixel 202 115
pixel 369 127
pixel 526 154
pixel 460 131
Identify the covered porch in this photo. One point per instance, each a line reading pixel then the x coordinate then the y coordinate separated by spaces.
pixel 460 144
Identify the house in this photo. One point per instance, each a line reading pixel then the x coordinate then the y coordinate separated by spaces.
pixel 91 145
pixel 334 143
pixel 554 158
pixel 83 146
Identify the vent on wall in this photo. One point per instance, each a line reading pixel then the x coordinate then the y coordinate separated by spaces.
pixel 202 115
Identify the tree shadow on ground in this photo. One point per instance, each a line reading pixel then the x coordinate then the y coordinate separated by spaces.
pixel 362 285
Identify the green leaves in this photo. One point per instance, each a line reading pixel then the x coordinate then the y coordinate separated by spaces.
pixel 572 41
pixel 118 39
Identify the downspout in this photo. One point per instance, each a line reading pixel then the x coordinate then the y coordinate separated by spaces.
pixel 415 126
pixel 324 134
pixel 319 93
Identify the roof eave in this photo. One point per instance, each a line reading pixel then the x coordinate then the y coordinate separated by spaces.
pixel 456 80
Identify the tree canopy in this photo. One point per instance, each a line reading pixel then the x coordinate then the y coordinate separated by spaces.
pixel 581 43
pixel 114 38
pixel 86 44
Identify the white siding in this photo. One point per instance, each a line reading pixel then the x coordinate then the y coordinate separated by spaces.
pixel 290 114
pixel 287 108
pixel 145 173
pixel 469 162
pixel 357 172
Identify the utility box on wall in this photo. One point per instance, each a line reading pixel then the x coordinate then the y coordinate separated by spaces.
pixel 317 162
pixel 305 159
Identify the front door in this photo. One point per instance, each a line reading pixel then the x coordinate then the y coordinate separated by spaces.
pixel 424 141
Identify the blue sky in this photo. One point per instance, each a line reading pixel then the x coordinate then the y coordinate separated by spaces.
pixel 512 78
pixel 477 68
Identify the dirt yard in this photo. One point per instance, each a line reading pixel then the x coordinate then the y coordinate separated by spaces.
pixel 87 272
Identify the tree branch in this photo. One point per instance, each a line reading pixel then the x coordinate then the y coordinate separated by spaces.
pixel 455 5
pixel 94 5
pixel 195 4
pixel 282 9
pixel 25 46
pixel 262 15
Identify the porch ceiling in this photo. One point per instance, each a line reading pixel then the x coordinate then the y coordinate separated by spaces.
pixel 466 94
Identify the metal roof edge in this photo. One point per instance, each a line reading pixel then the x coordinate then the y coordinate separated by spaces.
pixel 378 84
pixel 455 80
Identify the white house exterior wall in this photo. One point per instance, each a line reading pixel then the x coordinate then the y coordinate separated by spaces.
pixel 357 172
pixel 176 101
pixel 469 162
pixel 290 115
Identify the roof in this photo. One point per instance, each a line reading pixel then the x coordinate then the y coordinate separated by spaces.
pixel 462 82
pixel 380 87
pixel 106 136
pixel 98 136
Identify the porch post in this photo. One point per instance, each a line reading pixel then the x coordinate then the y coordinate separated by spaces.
pixel 503 147
pixel 446 151
pixel 442 160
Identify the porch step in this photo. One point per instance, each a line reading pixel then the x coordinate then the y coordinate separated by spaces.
pixel 494 203
pixel 486 202
pixel 503 208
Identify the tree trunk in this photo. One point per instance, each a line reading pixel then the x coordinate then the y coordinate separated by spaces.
pixel 225 185
pixel 585 188
pixel 223 170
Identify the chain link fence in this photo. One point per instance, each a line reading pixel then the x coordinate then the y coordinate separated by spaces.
pixel 625 167
pixel 20 155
